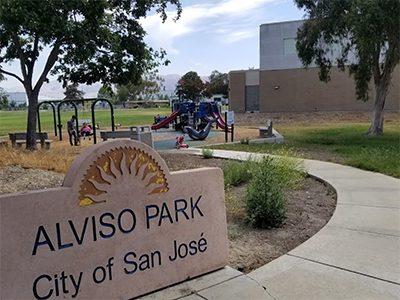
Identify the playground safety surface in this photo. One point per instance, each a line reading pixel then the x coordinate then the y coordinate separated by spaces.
pixel 164 139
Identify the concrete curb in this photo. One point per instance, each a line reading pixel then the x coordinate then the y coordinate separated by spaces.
pixel 277 139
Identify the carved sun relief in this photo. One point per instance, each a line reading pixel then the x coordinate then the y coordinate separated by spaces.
pixel 117 172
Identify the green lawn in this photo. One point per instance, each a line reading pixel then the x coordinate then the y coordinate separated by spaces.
pixel 345 143
pixel 15 121
pixel 339 142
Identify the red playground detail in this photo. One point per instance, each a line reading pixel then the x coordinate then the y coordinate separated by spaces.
pixel 166 121
pixel 180 142
pixel 220 121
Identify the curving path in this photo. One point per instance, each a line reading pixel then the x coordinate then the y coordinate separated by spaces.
pixel 355 256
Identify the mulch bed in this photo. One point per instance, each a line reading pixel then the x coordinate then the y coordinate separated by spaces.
pixel 308 209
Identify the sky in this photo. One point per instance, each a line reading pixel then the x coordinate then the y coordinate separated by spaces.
pixel 210 35
pixel 216 34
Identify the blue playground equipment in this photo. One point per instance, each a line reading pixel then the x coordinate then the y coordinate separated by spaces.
pixel 195 119
pixel 199 135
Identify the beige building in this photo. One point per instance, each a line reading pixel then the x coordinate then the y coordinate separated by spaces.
pixel 283 85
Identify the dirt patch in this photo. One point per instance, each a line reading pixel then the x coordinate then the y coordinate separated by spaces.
pixel 178 162
pixel 308 209
pixel 17 179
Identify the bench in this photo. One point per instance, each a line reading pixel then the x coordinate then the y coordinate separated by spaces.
pixel 120 134
pixel 139 133
pixel 266 132
pixel 18 139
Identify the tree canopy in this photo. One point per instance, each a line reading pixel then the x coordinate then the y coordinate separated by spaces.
pixel 218 84
pixel 3 96
pixel 84 42
pixel 105 92
pixel 146 89
pixel 4 103
pixel 336 30
pixel 72 92
pixel 190 86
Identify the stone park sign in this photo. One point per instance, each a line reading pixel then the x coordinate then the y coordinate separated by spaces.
pixel 120 226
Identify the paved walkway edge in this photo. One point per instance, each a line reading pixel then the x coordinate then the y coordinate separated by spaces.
pixel 355 256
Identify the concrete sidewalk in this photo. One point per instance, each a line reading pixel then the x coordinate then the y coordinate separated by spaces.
pixel 355 256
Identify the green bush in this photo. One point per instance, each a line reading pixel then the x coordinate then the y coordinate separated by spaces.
pixel 245 141
pixel 236 172
pixel 290 171
pixel 207 153
pixel 265 194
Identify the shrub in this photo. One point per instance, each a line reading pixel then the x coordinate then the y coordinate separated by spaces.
pixel 236 172
pixel 245 141
pixel 207 153
pixel 290 171
pixel 265 195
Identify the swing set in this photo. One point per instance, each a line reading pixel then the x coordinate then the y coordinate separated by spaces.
pixel 57 104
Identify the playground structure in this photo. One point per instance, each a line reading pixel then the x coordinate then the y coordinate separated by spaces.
pixel 141 133
pixel 58 104
pixel 199 135
pixel 194 119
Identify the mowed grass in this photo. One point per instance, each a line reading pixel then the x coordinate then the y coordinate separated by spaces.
pixel 15 121
pixel 338 142
pixel 343 142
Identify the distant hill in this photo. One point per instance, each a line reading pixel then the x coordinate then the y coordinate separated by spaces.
pixel 18 97
pixel 170 81
pixel 54 90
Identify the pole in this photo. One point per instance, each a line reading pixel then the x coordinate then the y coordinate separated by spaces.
pixel 226 127
pixel 59 125
pixel 94 122
pixel 232 129
pixel 54 118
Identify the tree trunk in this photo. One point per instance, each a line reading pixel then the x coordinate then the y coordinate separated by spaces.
pixel 32 121
pixel 382 90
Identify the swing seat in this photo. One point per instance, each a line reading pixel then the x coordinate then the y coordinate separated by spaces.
pixel 87 121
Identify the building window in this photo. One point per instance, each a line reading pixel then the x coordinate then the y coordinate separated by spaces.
pixel 289 46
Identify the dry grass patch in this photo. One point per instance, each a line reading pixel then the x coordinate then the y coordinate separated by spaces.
pixel 58 158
